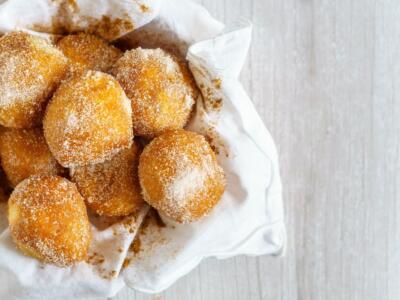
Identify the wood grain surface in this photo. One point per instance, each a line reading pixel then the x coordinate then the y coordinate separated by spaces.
pixel 325 77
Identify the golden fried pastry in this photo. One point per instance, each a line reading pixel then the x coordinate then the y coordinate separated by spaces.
pixel 30 70
pixel 88 120
pixel 161 90
pixel 24 152
pixel 111 188
pixel 48 220
pixel 88 52
pixel 180 176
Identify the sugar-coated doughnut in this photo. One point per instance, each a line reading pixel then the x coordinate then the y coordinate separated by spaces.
pixel 180 176
pixel 48 220
pixel 161 90
pixel 24 152
pixel 30 70
pixel 88 120
pixel 88 52
pixel 111 188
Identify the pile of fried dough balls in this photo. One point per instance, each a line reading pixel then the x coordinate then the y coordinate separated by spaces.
pixel 86 126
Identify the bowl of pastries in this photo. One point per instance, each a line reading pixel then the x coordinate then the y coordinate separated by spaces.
pixel 88 128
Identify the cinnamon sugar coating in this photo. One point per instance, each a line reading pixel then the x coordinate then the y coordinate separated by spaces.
pixel 161 90
pixel 24 152
pixel 48 220
pixel 88 120
pixel 111 188
pixel 88 52
pixel 30 71
pixel 180 176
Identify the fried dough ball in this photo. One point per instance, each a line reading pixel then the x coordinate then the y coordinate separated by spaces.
pixel 111 188
pixel 88 120
pixel 48 220
pixel 24 152
pixel 161 90
pixel 30 70
pixel 180 176
pixel 88 52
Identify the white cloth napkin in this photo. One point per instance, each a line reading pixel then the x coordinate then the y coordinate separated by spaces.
pixel 249 218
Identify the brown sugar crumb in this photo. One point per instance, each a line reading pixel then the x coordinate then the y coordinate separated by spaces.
pixel 126 263
pixel 217 104
pixel 135 246
pixel 110 29
pixel 150 228
pixel 95 259
pixel 65 22
pixel 217 83
pixel 108 275
pixel 130 224
pixel 211 92
pixel 212 103
pixel 152 240
pixel 212 136
pixel 62 21
pixel 212 100
pixel 216 143
pixel 144 8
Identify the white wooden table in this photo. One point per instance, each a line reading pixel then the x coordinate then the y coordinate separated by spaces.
pixel 325 77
